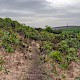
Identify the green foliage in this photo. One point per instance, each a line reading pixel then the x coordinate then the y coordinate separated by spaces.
pixel 56 55
pixel 46 36
pixel 58 38
pixel 47 46
pixel 72 55
pixel 64 65
pixel 73 42
pixel 63 46
pixel 78 36
pixel 9 48
pixel 75 29
pixel 49 29
pixel 8 40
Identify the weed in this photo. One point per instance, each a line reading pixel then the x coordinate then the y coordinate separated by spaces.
pixel 56 55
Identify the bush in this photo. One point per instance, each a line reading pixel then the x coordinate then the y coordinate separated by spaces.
pixel 8 40
pixel 49 29
pixel 47 46
pixel 56 55
pixel 58 38
pixel 73 42
pixel 72 55
pixel 63 46
pixel 46 36
pixel 8 47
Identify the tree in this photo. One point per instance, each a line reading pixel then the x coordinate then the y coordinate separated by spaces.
pixel 49 29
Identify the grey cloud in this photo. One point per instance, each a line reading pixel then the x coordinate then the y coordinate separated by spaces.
pixel 40 12
pixel 24 4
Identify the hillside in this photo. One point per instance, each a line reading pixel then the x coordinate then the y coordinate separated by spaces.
pixel 67 27
pixel 28 53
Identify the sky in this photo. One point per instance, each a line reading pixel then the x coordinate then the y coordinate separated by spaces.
pixel 39 13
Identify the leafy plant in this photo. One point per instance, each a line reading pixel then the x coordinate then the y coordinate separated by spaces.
pixel 63 46
pixel 47 46
pixel 72 55
pixel 56 55
pixel 49 29
pixel 9 49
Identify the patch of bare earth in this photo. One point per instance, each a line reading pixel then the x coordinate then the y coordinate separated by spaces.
pixel 23 66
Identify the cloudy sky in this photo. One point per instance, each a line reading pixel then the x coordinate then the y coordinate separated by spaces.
pixel 39 13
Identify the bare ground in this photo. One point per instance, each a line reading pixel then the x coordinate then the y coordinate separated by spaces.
pixel 23 66
pixel 27 65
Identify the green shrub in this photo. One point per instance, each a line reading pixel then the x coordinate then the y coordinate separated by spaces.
pixel 46 36
pixel 72 55
pixel 73 42
pixel 9 49
pixel 63 46
pixel 47 46
pixel 56 55
pixel 8 40
pixel 58 38
pixel 49 29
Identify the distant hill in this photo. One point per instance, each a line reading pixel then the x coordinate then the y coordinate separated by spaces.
pixel 66 27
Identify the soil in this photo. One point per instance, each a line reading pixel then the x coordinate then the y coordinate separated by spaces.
pixel 28 65
pixel 23 66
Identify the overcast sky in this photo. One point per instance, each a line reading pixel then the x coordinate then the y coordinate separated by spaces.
pixel 39 13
